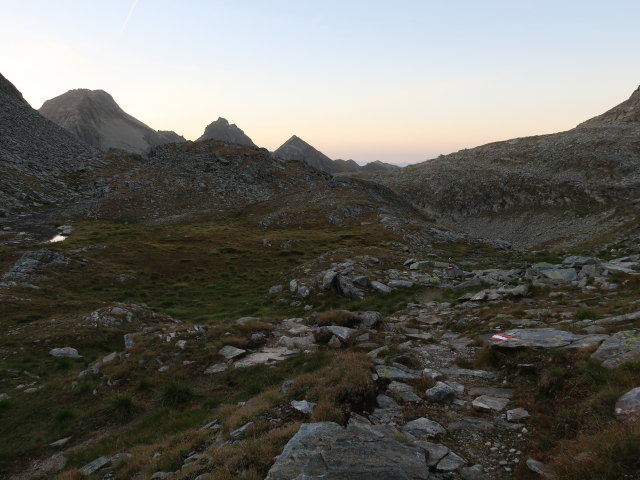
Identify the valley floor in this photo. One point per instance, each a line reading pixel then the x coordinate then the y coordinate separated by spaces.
pixel 222 349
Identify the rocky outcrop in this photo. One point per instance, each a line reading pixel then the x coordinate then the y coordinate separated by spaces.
pixel 95 117
pixel 358 452
pixel 223 131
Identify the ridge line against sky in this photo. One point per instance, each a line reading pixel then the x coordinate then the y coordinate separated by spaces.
pixel 367 80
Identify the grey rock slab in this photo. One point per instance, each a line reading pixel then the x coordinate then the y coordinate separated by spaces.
pixel 588 341
pixel 486 403
pixel 627 408
pixel 619 348
pixel 540 468
pixel 471 424
pixel 440 393
pixel 465 372
pixel 432 375
pixel 493 391
pixel 434 451
pixel 533 338
pixel 369 319
pixel 359 452
pixel 561 275
pixel 240 433
pixel 65 352
pixel 385 401
pixel 476 472
pixel 343 333
pixel 380 287
pixel 517 414
pixel 618 319
pixel 395 373
pixel 229 352
pixel 409 397
pixel 423 428
pixel 400 284
pixel 303 406
pixel 216 368
pixel 387 415
pixel 92 467
pixel 450 462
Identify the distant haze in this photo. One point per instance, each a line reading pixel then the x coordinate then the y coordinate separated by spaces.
pixel 368 80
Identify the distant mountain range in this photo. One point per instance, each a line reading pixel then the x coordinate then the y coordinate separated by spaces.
pixel 96 118
pixel 297 149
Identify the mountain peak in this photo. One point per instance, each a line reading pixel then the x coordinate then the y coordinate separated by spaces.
pixel 223 131
pixel 95 117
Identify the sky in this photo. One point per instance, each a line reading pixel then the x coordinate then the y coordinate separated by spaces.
pixel 399 81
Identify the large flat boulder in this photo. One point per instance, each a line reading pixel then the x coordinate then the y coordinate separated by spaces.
pixel 328 451
pixel 534 338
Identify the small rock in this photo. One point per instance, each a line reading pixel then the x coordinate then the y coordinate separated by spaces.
pixel 432 375
pixel 303 406
pixel 128 341
pixel 334 342
pixel 216 368
pixel 486 403
pixel 517 414
pixel 627 408
pixel 286 386
pixel 229 352
pixel 435 451
pixel 540 468
pixel 450 462
pixel 94 466
pixel 440 393
pixel 422 428
pixel 65 352
pixel 473 473
pixel 181 344
pixel 239 433
pixel 60 443
pixel 380 287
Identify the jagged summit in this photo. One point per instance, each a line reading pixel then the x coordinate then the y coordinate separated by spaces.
pixel 225 132
pixel 627 111
pixel 95 117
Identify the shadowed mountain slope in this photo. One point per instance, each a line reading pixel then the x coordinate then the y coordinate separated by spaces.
pixel 548 188
pixel 41 164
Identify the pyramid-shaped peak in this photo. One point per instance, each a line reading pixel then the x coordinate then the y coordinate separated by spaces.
pixel 223 131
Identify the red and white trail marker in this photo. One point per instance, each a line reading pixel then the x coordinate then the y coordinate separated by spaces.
pixel 501 337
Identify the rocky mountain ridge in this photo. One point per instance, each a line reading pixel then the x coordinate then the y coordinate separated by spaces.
pixel 42 163
pixel 95 117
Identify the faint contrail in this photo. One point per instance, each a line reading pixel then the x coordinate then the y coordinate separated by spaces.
pixel 131 9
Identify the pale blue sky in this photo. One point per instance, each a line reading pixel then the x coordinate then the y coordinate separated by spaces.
pixel 399 81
